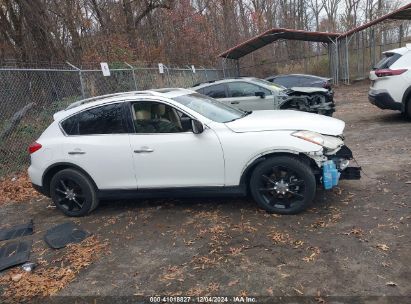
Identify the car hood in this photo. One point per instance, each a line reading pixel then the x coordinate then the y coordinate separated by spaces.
pixel 275 120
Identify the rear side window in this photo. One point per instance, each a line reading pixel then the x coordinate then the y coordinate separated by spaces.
pixel 215 91
pixel 70 125
pixel 107 119
pixel 388 60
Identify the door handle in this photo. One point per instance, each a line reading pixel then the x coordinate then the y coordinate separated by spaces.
pixel 235 102
pixel 76 152
pixel 144 150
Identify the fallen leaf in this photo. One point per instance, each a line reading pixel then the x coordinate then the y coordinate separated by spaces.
pixel 213 287
pixel 235 251
pixel 391 284
pixel 232 283
pixel 383 247
pixel 16 277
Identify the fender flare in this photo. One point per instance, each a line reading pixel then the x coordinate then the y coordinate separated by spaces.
pixel 63 165
pixel 250 165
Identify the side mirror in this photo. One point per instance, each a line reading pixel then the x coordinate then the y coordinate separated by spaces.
pixel 197 126
pixel 261 94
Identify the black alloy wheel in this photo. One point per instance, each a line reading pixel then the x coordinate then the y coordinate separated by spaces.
pixel 283 185
pixel 73 193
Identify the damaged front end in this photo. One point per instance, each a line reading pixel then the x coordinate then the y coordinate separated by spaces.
pixel 316 101
pixel 333 161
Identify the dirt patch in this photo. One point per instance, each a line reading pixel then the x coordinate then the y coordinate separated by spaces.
pixel 354 241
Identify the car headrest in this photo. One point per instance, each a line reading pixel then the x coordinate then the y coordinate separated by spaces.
pixel 159 109
pixel 143 115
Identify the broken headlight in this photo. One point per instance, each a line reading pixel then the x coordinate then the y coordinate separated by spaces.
pixel 326 141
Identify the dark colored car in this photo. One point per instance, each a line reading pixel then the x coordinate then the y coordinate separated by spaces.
pixel 301 80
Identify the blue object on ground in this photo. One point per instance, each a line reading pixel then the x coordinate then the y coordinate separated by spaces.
pixel 331 176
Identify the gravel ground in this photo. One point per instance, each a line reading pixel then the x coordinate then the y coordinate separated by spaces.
pixel 355 241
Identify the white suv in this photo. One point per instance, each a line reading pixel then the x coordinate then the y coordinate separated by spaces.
pixel 178 142
pixel 391 81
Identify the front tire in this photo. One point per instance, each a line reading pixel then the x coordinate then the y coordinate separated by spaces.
pixel 283 185
pixel 73 193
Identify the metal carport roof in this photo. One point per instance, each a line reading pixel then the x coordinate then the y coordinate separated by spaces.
pixel 275 34
pixel 259 41
pixel 403 13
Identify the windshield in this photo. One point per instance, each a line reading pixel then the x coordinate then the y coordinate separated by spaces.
pixel 209 107
pixel 267 83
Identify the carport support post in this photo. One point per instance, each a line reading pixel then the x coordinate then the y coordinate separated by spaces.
pixel 372 46
pixel 134 75
pixel 81 78
pixel 401 33
pixel 334 60
pixel 358 56
pixel 347 58
pixel 330 61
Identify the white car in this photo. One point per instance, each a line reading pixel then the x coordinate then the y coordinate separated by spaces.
pixel 178 142
pixel 391 81
pixel 254 94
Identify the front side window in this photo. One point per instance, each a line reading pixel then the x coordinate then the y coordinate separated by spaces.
pixel 156 117
pixel 215 91
pixel 106 119
pixel 244 89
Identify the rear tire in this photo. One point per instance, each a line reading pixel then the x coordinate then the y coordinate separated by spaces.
pixel 73 193
pixel 283 185
pixel 407 112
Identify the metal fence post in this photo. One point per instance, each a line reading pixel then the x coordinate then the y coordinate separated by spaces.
pixel 190 71
pixel 168 73
pixel 205 72
pixel 134 75
pixel 223 65
pixel 81 78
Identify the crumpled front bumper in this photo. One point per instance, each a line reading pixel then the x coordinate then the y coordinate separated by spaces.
pixel 342 161
pixel 336 166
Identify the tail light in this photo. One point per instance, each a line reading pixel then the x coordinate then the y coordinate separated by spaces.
pixel 388 72
pixel 34 147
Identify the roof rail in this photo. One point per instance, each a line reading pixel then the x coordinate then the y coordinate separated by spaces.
pixel 227 78
pixel 91 99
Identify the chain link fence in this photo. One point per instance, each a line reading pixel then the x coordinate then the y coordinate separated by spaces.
pixel 30 97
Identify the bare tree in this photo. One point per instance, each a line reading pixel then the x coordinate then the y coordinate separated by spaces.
pixel 331 8
pixel 316 7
